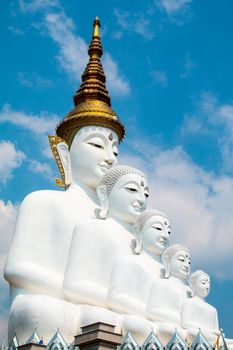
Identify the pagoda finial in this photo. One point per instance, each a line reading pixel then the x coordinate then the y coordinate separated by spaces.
pixel 96 25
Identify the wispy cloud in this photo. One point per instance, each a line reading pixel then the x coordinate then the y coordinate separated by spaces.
pixel 37 125
pixel 41 168
pixel 177 10
pixel 16 30
pixel 135 22
pixel 33 80
pixel 187 67
pixel 160 77
pixel 43 123
pixel 116 83
pixel 36 5
pixel 11 158
pixel 72 54
pixel 212 119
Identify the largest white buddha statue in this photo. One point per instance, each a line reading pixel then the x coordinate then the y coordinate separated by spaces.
pixel 85 147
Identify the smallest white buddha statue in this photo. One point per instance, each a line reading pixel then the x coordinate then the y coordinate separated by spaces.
pixel 197 313
pixel 126 294
pixel 168 294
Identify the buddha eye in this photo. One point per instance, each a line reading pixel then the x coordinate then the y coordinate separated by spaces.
pixel 158 228
pixel 146 194
pixel 131 189
pixel 181 259
pixel 96 145
pixel 169 232
pixel 115 154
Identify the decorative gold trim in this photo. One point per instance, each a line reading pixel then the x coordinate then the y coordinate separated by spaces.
pixel 53 141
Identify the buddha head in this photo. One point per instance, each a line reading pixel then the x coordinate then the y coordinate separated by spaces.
pixel 93 151
pixel 199 282
pixel 123 193
pixel 152 231
pixel 86 140
pixel 176 261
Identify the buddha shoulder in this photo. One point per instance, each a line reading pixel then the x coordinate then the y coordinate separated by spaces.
pixel 44 198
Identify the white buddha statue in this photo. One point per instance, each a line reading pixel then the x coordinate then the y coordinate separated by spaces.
pixel 168 294
pixel 85 148
pixel 197 313
pixel 126 294
pixel 98 243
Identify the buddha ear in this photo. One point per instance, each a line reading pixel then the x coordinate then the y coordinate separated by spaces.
pixel 102 194
pixel 61 154
pixel 63 151
pixel 165 261
pixel 138 239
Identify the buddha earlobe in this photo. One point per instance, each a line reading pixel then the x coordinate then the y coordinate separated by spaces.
pixel 103 199
pixel 165 261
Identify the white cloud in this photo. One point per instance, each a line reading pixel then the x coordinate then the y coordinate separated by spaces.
pixel 187 68
pixel 33 80
pixel 72 48
pixel 116 83
pixel 42 168
pixel 43 123
pixel 160 77
pixel 213 120
pixel 16 30
pixel 198 203
pixel 177 10
pixel 10 160
pixel 136 22
pixel 174 6
pixel 36 5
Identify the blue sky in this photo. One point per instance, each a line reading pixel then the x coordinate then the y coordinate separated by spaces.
pixel 169 72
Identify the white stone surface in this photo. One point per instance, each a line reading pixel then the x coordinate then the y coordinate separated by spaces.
pixel 197 313
pixel 97 244
pixel 132 276
pixel 38 255
pixel 167 295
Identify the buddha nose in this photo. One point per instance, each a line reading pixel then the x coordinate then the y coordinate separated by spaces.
pixel 110 158
pixel 142 199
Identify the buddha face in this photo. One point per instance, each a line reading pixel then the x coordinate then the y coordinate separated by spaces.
pixel 155 234
pixel 179 265
pixel 202 286
pixel 128 197
pixel 92 153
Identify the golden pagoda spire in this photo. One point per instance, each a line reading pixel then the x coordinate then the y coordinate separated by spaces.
pixel 92 101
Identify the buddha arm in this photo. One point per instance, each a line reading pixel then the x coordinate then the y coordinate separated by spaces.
pixel 161 304
pixel 124 293
pixel 34 278
pixel 30 264
pixel 85 292
pixel 123 303
pixel 187 320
